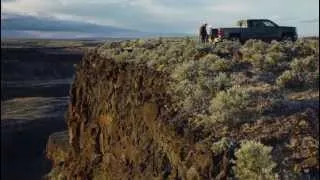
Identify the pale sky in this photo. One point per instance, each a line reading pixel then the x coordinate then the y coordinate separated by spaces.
pixel 177 16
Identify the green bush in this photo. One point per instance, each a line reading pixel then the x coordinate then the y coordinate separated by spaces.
pixel 254 46
pixel 312 79
pixel 193 86
pixel 257 60
pixel 220 146
pixel 195 82
pixel 293 80
pixel 222 65
pixel 273 58
pixel 229 107
pixel 226 47
pixel 307 64
pixel 276 46
pixel 222 81
pixel 303 73
pixel 267 62
pixel 265 98
pixel 276 55
pixel 289 79
pixel 303 48
pixel 254 161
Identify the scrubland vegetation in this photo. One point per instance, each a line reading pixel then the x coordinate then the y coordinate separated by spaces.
pixel 241 102
pixel 212 80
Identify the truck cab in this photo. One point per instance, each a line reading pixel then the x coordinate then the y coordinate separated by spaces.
pixel 267 30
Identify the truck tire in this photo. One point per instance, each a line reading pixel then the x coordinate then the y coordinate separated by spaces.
pixel 235 38
pixel 287 37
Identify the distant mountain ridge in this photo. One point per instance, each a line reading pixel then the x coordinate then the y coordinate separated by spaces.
pixel 35 27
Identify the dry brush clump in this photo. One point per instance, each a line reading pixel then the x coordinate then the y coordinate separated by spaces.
pixel 304 72
pixel 277 56
pixel 254 161
pixel 230 107
pixel 173 108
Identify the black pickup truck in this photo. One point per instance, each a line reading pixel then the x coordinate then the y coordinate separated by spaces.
pixel 262 29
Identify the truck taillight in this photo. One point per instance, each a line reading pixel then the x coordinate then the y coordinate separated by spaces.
pixel 220 33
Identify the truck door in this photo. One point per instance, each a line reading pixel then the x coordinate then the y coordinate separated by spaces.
pixel 255 30
pixel 270 30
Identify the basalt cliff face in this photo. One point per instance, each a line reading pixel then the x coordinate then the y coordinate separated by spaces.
pixel 126 121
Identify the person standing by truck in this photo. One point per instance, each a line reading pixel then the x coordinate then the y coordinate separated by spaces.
pixel 203 33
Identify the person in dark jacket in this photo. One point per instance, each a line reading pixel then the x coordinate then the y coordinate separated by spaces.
pixel 203 33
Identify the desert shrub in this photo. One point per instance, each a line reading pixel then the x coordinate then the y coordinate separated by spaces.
pixel 189 52
pixel 175 51
pixel 239 78
pixel 276 46
pixel 191 97
pixel 289 79
pixel 276 56
pixel 139 42
pixel 226 47
pixel 207 67
pixel 265 98
pixel 190 71
pixel 312 79
pixel 257 60
pixel 253 46
pixel 273 58
pixel 254 161
pixel 193 84
pixel 222 65
pixel 266 62
pixel 221 146
pixel 307 64
pixel 55 173
pixel 229 107
pixel 303 73
pixel 303 48
pixel 216 63
pixel 253 51
pixel 222 81
pixel 124 56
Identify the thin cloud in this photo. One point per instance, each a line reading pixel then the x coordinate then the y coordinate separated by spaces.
pixel 156 9
pixel 230 8
pixel 315 20
pixel 29 7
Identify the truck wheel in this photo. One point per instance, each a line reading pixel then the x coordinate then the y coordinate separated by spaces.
pixel 287 38
pixel 235 38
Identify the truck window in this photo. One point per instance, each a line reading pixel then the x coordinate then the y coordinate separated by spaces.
pixel 268 24
pixel 257 24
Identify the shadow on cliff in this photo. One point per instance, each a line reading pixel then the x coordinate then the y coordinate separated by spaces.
pixel 23 149
pixel 31 79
